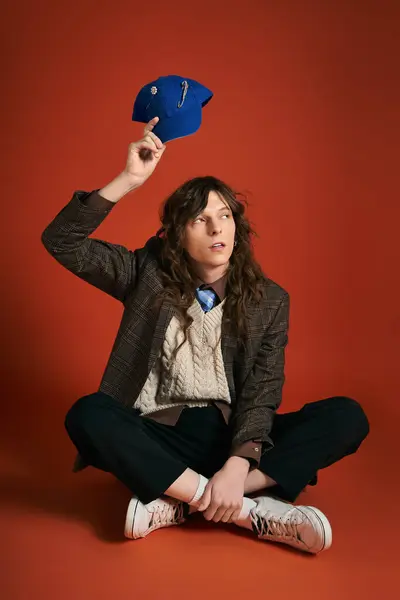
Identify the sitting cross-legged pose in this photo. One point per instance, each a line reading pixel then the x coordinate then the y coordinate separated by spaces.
pixel 185 414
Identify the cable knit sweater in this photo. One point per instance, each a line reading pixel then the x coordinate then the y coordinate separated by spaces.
pixel 197 375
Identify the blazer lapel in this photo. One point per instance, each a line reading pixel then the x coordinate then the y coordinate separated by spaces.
pixel 228 347
pixel 233 360
pixel 165 315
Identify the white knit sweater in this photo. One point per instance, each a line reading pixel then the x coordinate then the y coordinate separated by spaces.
pixel 197 375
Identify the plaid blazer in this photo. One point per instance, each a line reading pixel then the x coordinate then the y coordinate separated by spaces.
pixel 255 373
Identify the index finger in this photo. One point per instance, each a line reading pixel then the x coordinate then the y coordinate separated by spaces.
pixel 151 124
pixel 211 510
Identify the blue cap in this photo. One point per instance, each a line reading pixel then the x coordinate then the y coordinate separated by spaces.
pixel 177 102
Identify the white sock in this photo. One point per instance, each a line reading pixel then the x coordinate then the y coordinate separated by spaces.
pixel 244 519
pixel 194 503
pixel 247 505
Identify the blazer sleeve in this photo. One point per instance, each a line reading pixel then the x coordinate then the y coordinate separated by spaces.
pixel 110 267
pixel 261 394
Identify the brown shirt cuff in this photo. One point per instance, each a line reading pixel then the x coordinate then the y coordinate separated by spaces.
pixel 250 450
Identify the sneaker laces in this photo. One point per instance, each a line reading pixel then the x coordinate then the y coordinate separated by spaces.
pixel 166 513
pixel 284 526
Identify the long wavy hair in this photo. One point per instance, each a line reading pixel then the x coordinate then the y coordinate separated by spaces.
pixel 244 275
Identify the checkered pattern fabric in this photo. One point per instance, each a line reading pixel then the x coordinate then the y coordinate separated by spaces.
pixel 255 374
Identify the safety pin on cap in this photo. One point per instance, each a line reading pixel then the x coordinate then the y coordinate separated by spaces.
pixel 185 87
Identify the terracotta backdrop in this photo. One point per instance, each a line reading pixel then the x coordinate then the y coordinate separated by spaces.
pixel 305 120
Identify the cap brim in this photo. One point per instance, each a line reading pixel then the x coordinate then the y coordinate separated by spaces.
pixel 178 126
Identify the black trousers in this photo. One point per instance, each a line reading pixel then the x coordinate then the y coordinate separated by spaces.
pixel 148 456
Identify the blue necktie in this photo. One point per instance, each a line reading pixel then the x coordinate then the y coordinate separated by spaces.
pixel 206 299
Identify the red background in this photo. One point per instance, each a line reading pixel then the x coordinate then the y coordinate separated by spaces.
pixel 305 119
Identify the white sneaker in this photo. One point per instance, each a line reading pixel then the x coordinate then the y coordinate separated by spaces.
pixel 303 527
pixel 142 519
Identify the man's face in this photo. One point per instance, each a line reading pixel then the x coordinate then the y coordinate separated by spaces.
pixel 215 224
